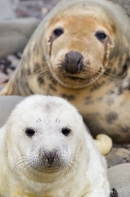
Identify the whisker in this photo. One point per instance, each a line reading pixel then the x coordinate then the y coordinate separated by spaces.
pixel 111 75
pixel 73 166
pixel 35 114
pixel 40 71
pixel 20 161
pixel 59 114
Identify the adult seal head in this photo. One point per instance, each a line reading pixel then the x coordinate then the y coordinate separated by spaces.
pixel 81 51
pixel 46 150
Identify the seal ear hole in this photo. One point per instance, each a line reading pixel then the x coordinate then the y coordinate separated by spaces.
pixel 57 32
pixel 101 35
pixel 29 132
pixel 66 131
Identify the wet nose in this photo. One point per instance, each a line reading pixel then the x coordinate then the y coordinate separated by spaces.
pixel 73 62
pixel 50 155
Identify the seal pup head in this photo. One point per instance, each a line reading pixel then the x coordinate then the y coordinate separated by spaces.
pixel 44 139
pixel 84 39
pixel 46 151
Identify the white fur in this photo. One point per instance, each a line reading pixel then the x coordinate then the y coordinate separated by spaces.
pixel 84 171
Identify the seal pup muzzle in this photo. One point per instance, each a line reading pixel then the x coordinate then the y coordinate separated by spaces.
pixel 46 150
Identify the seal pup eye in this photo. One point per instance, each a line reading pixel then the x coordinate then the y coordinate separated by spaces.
pixel 57 32
pixel 66 131
pixel 29 132
pixel 101 35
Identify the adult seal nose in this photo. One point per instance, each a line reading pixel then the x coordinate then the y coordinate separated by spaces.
pixel 73 63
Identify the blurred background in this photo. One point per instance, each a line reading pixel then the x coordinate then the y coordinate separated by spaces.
pixel 32 8
pixel 18 20
pixel 25 8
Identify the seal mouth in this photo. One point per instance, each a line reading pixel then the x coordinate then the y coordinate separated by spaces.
pixel 83 78
pixel 50 169
pixel 88 80
pixel 45 169
pixel 75 78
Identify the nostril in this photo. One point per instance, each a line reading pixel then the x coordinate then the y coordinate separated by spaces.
pixel 66 59
pixel 80 60
pixel 50 160
pixel 80 64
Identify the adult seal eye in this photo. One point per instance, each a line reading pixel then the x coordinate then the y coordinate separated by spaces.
pixel 57 32
pixel 66 131
pixel 101 36
pixel 29 132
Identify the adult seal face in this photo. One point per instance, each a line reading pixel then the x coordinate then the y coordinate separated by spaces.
pixel 81 51
pixel 46 150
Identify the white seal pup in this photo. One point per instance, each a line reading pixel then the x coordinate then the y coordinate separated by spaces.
pixel 46 151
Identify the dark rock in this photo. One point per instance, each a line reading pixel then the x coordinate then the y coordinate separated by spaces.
pixel 118 156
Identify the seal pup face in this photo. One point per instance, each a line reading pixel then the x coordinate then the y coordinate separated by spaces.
pixel 44 138
pixel 80 38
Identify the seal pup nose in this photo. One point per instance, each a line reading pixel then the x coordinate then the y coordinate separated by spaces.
pixel 73 63
pixel 50 155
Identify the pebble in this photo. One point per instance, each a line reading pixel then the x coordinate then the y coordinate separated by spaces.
pixel 119 178
pixel 14 60
pixel 7 104
pixel 3 78
pixel 118 156
pixel 15 33
pixel 8 65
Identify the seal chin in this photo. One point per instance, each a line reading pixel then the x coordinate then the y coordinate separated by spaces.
pixel 79 81
pixel 47 173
